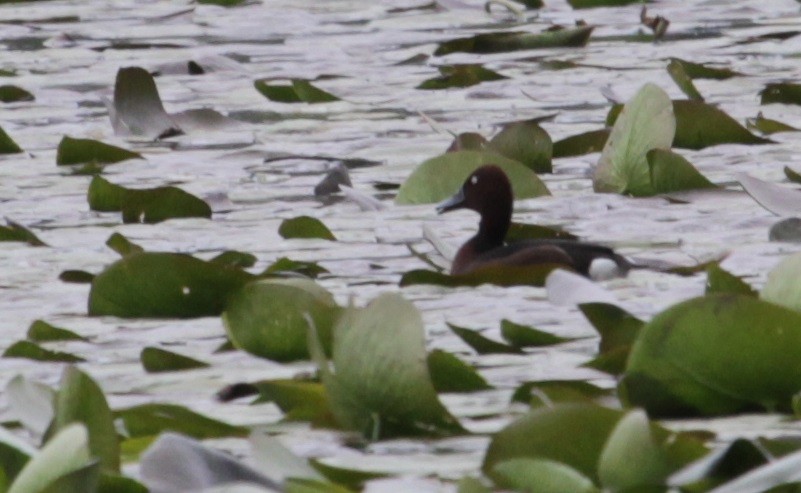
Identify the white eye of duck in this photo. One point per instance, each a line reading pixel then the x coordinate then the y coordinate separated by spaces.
pixel 474 180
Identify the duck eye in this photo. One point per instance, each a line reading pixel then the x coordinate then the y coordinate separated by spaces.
pixel 474 180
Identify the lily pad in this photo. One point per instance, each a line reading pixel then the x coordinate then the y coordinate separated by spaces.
pixel 702 71
pixel 76 276
pixel 542 476
pixel 123 245
pixel 149 420
pixel 236 259
pixel 718 354
pixel 527 275
pixel 461 75
pixel 645 123
pixel 677 72
pixel 514 41
pixel 618 329
pixel 268 318
pixel 719 280
pixel 468 141
pixel 137 108
pixel 157 360
pixel 305 227
pixel 285 265
pixel 33 351
pixel 525 142
pixel 7 144
pixel 481 344
pixel 781 92
pixel 521 336
pixel 549 392
pixel 766 126
pixel 17 232
pixel 14 94
pixel 41 331
pixel 151 205
pixel 670 172
pixel 581 144
pixel 299 400
pixel 438 178
pixel 156 284
pixel 450 374
pixel 297 91
pixel 80 151
pixel 381 384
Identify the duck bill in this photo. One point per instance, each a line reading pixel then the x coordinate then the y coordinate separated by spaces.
pixel 455 202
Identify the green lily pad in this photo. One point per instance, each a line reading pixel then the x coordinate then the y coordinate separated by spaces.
pixel 781 92
pixel 150 205
pixel 438 178
pixel 521 336
pixel 549 392
pixel 780 288
pixel 461 75
pixel 718 354
pixel 525 142
pixel 76 276
pixel 112 483
pixel 481 344
pixel 521 231
pixel 381 384
pixel 305 227
pixel 527 275
pixel 679 75
pixel 41 331
pixel 7 144
pixel 670 172
pixel 80 151
pixel 123 245
pixel 468 141
pixel 702 71
pixel 80 400
pixel 766 126
pixel 618 329
pixel 157 360
pixel 148 420
pixel 156 284
pixel 232 258
pixel 581 144
pixel 719 280
pixel 542 476
pixel 450 374
pixel 286 265
pixel 298 400
pixel 297 91
pixel 17 232
pixel 268 318
pixel 645 123
pixel 514 41
pixel 33 351
pixel 14 94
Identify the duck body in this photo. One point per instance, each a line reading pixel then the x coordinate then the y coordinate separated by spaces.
pixel 488 191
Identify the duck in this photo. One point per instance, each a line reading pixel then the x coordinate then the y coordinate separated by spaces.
pixel 488 191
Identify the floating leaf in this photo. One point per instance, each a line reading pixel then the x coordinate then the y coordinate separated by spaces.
pixel 549 392
pixel 154 284
pixel 7 145
pixel 379 361
pixel 677 72
pixel 584 143
pixel 721 281
pixel 14 94
pixel 527 275
pixel 525 142
pixel 232 258
pixel 521 231
pixel 150 205
pixel 80 400
pixel 670 172
pixel 450 374
pixel 718 354
pixel 645 123
pixel 268 318
pixel 157 360
pixel 766 126
pixel 461 75
pixel 152 419
pixel 781 92
pixel 298 400
pixel 514 41
pixel 438 178
pixel 618 330
pixel 521 336
pixel 298 91
pixel 138 109
pixel 468 141
pixel 305 227
pixel 781 201
pixel 76 276
pixel 286 265
pixel 18 232
pixel 42 331
pixel 481 344
pixel 700 125
pixel 542 476
pixel 112 483
pixel 123 245
pixel 80 151
pixel 31 350
pixel 701 71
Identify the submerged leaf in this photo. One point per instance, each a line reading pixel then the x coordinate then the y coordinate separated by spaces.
pixel 7 145
pixel 719 354
pixel 155 284
pixel 157 360
pixel 440 177
pixel 513 41
pixel 80 151
pixel 450 374
pixel 481 344
pixel 305 227
pixel 525 142
pixel 670 172
pixel 462 75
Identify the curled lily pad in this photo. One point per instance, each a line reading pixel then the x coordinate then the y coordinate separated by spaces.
pixel 781 201
pixel 462 75
pixel 137 108
pixel 528 275
pixel 380 384
pixel 155 284
pixel 645 123
pixel 268 318
pixel 157 360
pixel 525 142
pixel 123 245
pixel 514 41
pixel 297 91
pixel 440 177
pixel 14 94
pixel 7 144
pixel 151 205
pixel 17 232
pixel 305 227
pixel 718 354
pixel 80 151
pixel 584 143
pixel 450 374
